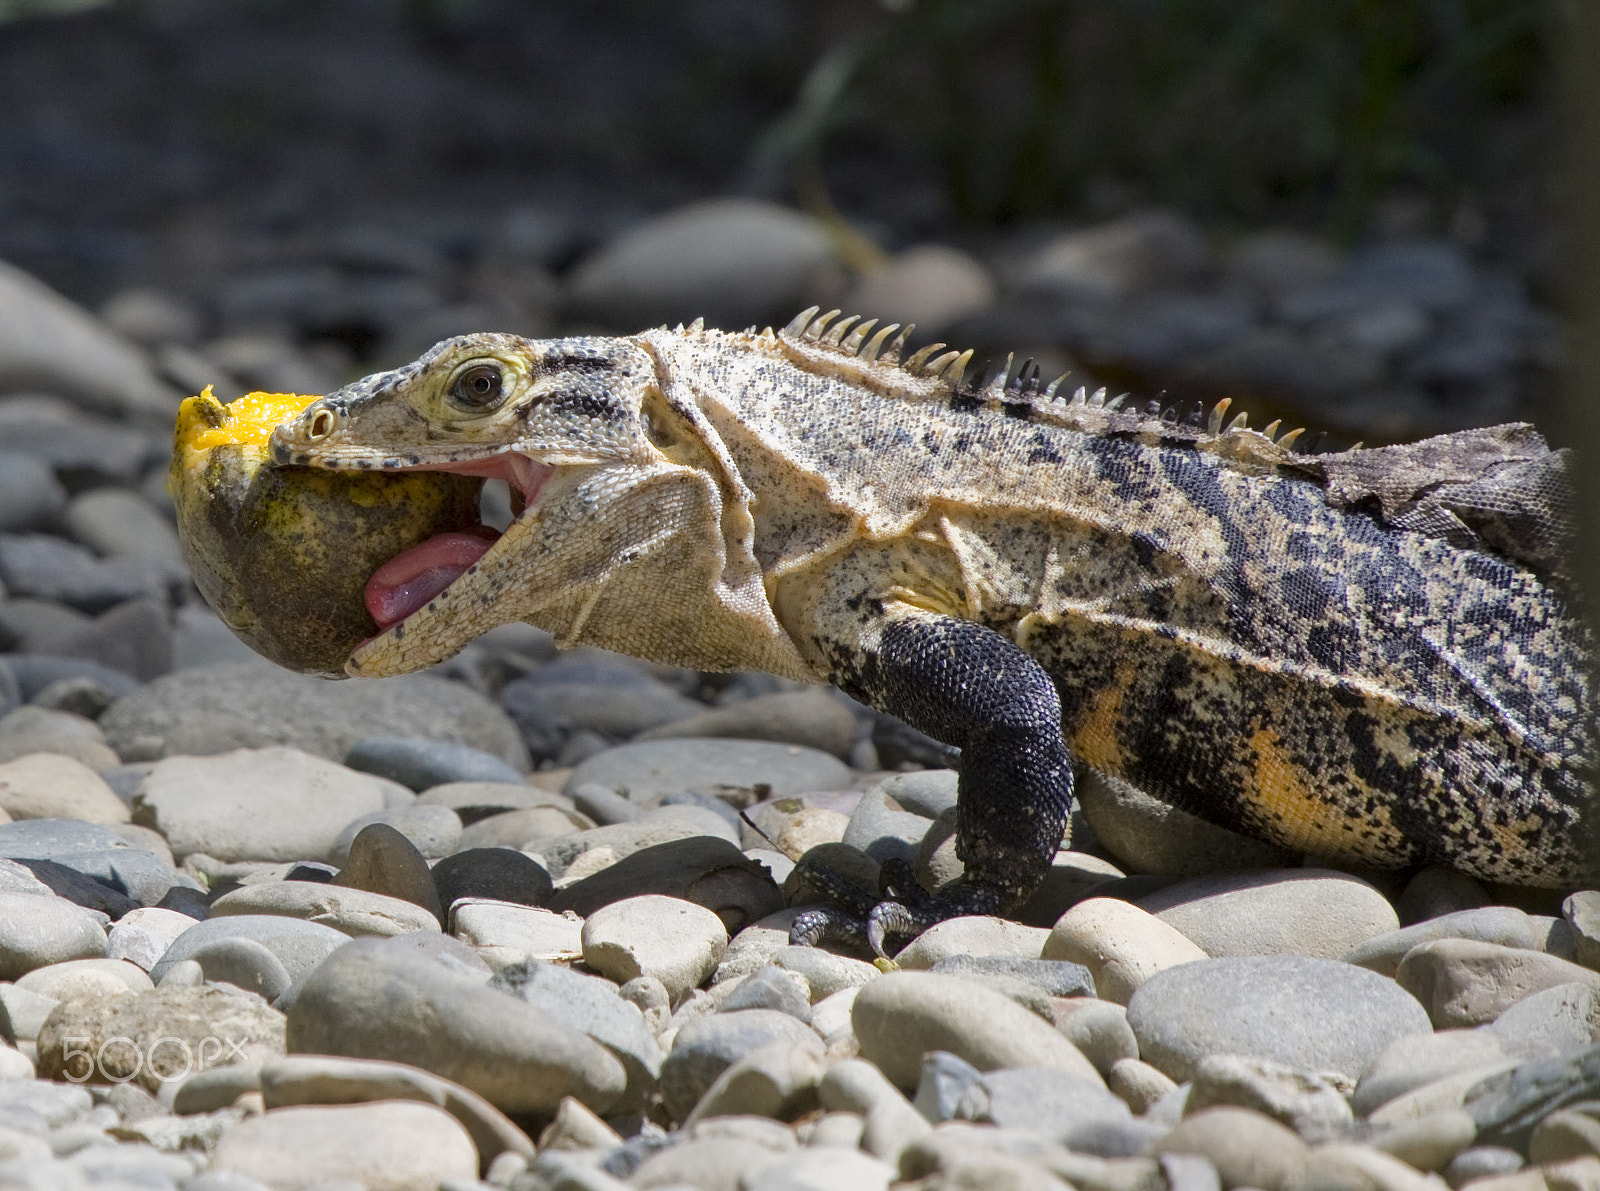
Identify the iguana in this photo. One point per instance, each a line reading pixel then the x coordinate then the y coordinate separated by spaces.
pixel 1374 655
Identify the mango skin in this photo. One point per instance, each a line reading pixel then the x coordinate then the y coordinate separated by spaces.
pixel 283 554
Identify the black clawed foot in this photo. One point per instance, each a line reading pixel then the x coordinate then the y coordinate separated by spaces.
pixel 902 911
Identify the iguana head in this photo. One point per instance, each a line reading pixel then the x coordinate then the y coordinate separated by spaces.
pixel 632 529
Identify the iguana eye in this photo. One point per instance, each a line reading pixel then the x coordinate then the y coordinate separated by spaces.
pixel 478 388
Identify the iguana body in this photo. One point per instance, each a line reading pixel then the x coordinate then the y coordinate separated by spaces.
pixel 1371 656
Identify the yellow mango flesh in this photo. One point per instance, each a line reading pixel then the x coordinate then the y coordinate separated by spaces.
pixel 283 554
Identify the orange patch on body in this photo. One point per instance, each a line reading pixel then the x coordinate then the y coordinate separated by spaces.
pixel 1096 739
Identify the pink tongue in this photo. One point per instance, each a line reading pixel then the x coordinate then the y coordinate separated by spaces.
pixel 408 581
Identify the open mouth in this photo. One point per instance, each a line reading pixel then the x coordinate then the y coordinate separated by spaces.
pixel 408 581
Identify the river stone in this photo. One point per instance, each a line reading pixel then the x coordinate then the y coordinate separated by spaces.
pixel 356 912
pixel 499 874
pixel 299 945
pixel 590 1004
pixel 504 933
pixel 211 1028
pixel 379 999
pixel 143 934
pixel 1463 982
pixel 1416 1060
pixel 1566 1018
pixel 50 786
pixel 433 831
pixel 37 930
pixel 472 801
pixel 1504 925
pixel 215 709
pixel 677 942
pixel 733 261
pixel 383 860
pixel 702 869
pixel 95 851
pixel 243 963
pixel 1306 911
pixel 703 1049
pixel 972 936
pixel 901 1016
pixel 662 766
pixel 811 717
pixel 273 803
pixel 1310 1014
pixel 1247 1148
pixel 325 1079
pixel 421 763
pixel 397 1145
pixel 85 977
pixel 1121 945
pixel 1146 835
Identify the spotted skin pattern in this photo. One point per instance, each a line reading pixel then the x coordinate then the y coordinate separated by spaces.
pixel 1321 651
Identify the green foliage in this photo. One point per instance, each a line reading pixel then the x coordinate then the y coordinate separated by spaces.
pixel 1233 110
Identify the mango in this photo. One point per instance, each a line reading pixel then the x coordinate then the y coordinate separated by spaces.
pixel 283 554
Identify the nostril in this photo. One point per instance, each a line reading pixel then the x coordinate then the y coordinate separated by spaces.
pixel 322 425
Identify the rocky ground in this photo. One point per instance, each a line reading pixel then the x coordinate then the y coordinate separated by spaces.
pixel 522 921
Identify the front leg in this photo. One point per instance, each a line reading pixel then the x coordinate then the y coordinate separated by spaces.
pixel 968 686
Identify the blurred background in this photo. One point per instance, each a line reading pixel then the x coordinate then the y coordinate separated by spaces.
pixel 1339 212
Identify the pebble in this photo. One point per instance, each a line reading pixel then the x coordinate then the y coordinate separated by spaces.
pixel 706 1163
pixel 1483 1162
pixel 215 709
pixel 531 828
pixel 1100 1030
pixel 1428 1143
pixel 930 285
pixel 825 973
pixel 1121 945
pixel 396 1145
pixel 95 856
pixel 902 1015
pixel 811 718
pixel 383 860
pixel 1582 913
pixel 1146 835
pixel 1052 1103
pixel 732 260
pixel 777 1081
pixel 499 874
pixel 13 1065
pixel 505 933
pixel 85 977
pixel 1347 1164
pixel 677 942
pixel 821 1168
pixel 1139 1084
pixel 433 831
pixel 273 803
pixel 1247 1149
pixel 116 523
pixel 591 1005
pixel 1506 926
pixel 40 567
pixel 1053 977
pixel 241 962
pixel 1508 1105
pixel 706 1047
pixel 1312 912
pixel 30 494
pixel 356 912
pixel 51 786
pixel 157 1036
pixel 422 764
pixel 1563 1018
pixel 22 1013
pixel 660 767
pixel 1463 982
pixel 699 868
pixel 298 945
pixel 1139 252
pixel 51 343
pixel 1310 1014
pixel 323 1079
pixel 972 936
pixel 37 930
pixel 41 730
pixel 1314 1107
pixel 380 999
pixel 770 987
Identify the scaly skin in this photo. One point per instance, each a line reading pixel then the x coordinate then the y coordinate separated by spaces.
pixel 1373 656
